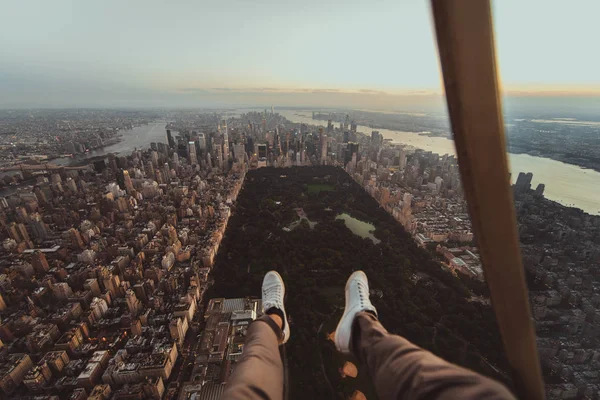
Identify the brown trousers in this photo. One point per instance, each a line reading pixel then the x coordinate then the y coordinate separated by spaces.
pixel 399 369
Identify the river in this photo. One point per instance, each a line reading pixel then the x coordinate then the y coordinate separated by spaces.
pixel 565 183
pixel 139 137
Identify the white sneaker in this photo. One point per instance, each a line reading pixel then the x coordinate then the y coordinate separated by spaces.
pixel 273 291
pixel 357 300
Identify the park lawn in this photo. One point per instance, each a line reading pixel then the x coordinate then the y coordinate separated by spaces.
pixel 319 187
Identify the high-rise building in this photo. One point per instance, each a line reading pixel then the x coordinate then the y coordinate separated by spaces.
pixel 62 290
pixel 40 195
pixel 149 171
pixel 93 286
pixel 154 158
pixel 202 141
pixel 127 182
pixel 323 146
pixel 192 158
pixel 329 126
pixel 178 328
pixel 346 137
pixel 136 327
pixel 524 181
pixel 170 139
pixel 132 302
pixel 17 367
pixel 120 175
pixel 353 126
pixel 21 213
pixel 262 151
pixel 39 262
pixel 166 171
pixel 351 151
pixel 240 152
pixel 225 145
pixel 13 232
pixel 163 149
pixel 376 139
pixel 98 307
pixel 75 238
pixel 72 185
pixel 38 227
pixel 539 190
pixel 219 158
pixel 23 232
pixel 402 159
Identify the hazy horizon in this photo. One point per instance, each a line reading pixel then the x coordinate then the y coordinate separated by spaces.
pixel 377 55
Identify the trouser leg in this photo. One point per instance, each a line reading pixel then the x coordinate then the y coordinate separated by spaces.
pixel 259 372
pixel 402 370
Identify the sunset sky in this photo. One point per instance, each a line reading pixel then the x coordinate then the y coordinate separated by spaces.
pixel 325 53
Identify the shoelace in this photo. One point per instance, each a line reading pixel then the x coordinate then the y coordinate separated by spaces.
pixel 363 292
pixel 272 296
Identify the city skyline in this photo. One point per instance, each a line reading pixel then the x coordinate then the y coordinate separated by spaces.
pixel 349 55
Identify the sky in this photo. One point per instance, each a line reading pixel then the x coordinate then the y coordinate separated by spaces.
pixel 338 53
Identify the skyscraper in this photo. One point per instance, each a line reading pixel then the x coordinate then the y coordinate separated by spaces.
pixel 132 302
pixel 323 146
pixel 154 158
pixel 127 182
pixel 23 232
pixel 192 153
pixel 402 159
pixel 225 146
pixel 262 151
pixel 376 139
pixel 120 175
pixel 202 141
pixel 13 232
pixel 75 238
pixel 39 262
pixel 351 151
pixel 166 171
pixel 170 139
pixel 38 227
pixel 240 152
pixel 523 182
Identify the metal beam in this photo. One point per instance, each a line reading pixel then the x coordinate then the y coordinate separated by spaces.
pixel 467 56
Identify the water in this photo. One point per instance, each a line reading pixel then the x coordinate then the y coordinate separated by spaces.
pixel 139 137
pixel 358 227
pixel 565 183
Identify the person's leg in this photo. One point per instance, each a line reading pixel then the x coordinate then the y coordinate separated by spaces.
pixel 402 370
pixel 259 372
pixel 399 369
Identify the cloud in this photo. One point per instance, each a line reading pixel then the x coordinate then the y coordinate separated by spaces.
pixel 193 91
pixel 370 91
